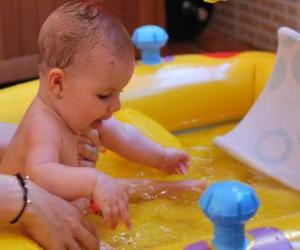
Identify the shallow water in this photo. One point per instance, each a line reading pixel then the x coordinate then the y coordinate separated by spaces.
pixel 171 224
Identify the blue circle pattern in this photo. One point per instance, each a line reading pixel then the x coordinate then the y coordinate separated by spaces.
pixel 286 143
pixel 295 66
pixel 278 74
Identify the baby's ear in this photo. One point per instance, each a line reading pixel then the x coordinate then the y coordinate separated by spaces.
pixel 56 82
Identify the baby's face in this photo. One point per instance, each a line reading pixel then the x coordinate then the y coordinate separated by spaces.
pixel 95 85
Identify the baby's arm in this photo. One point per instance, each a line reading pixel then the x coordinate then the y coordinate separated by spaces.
pixel 130 143
pixel 43 167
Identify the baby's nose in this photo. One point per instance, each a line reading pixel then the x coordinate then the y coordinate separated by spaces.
pixel 116 105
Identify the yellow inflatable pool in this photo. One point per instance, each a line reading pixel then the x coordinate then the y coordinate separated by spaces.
pixel 196 97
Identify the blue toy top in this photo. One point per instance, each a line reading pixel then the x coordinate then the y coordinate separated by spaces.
pixel 229 205
pixel 229 200
pixel 150 39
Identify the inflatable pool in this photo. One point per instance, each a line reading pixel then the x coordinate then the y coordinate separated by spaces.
pixel 191 99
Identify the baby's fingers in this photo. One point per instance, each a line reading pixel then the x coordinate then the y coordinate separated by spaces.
pixel 124 212
pixel 106 212
pixel 114 216
pixel 182 168
pixel 111 215
pixel 176 168
pixel 185 159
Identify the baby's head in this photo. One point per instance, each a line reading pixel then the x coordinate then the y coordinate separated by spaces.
pixel 86 59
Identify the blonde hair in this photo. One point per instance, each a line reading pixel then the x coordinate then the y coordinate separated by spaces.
pixel 77 27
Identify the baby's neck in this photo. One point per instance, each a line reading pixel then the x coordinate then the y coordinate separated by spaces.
pixel 45 98
pixel 49 104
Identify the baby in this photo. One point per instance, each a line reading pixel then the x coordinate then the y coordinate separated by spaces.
pixel 86 59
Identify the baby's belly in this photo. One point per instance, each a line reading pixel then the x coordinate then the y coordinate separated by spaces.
pixel 69 157
pixel 68 154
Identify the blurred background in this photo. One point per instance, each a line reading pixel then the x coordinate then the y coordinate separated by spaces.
pixel 193 26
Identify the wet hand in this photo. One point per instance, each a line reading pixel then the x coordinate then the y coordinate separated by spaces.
pixel 112 199
pixel 174 161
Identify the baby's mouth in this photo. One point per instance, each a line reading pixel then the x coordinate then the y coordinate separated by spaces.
pixel 96 124
pixel 106 117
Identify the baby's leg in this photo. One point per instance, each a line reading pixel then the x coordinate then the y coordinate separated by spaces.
pixel 147 189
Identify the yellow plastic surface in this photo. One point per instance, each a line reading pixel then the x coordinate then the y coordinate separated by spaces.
pixel 148 126
pixel 225 90
pixel 15 100
pixel 196 90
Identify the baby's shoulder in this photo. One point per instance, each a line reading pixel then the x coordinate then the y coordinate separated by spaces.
pixel 40 123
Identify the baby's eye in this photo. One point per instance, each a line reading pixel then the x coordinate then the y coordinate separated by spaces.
pixel 103 97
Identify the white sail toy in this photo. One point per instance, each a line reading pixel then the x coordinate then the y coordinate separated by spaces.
pixel 268 138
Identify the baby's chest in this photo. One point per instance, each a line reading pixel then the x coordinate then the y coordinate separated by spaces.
pixel 69 151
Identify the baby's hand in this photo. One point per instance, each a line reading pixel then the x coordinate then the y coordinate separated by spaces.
pixel 174 161
pixel 112 198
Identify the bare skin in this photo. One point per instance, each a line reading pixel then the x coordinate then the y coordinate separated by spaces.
pixel 70 104
pixel 48 216
pixel 87 150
